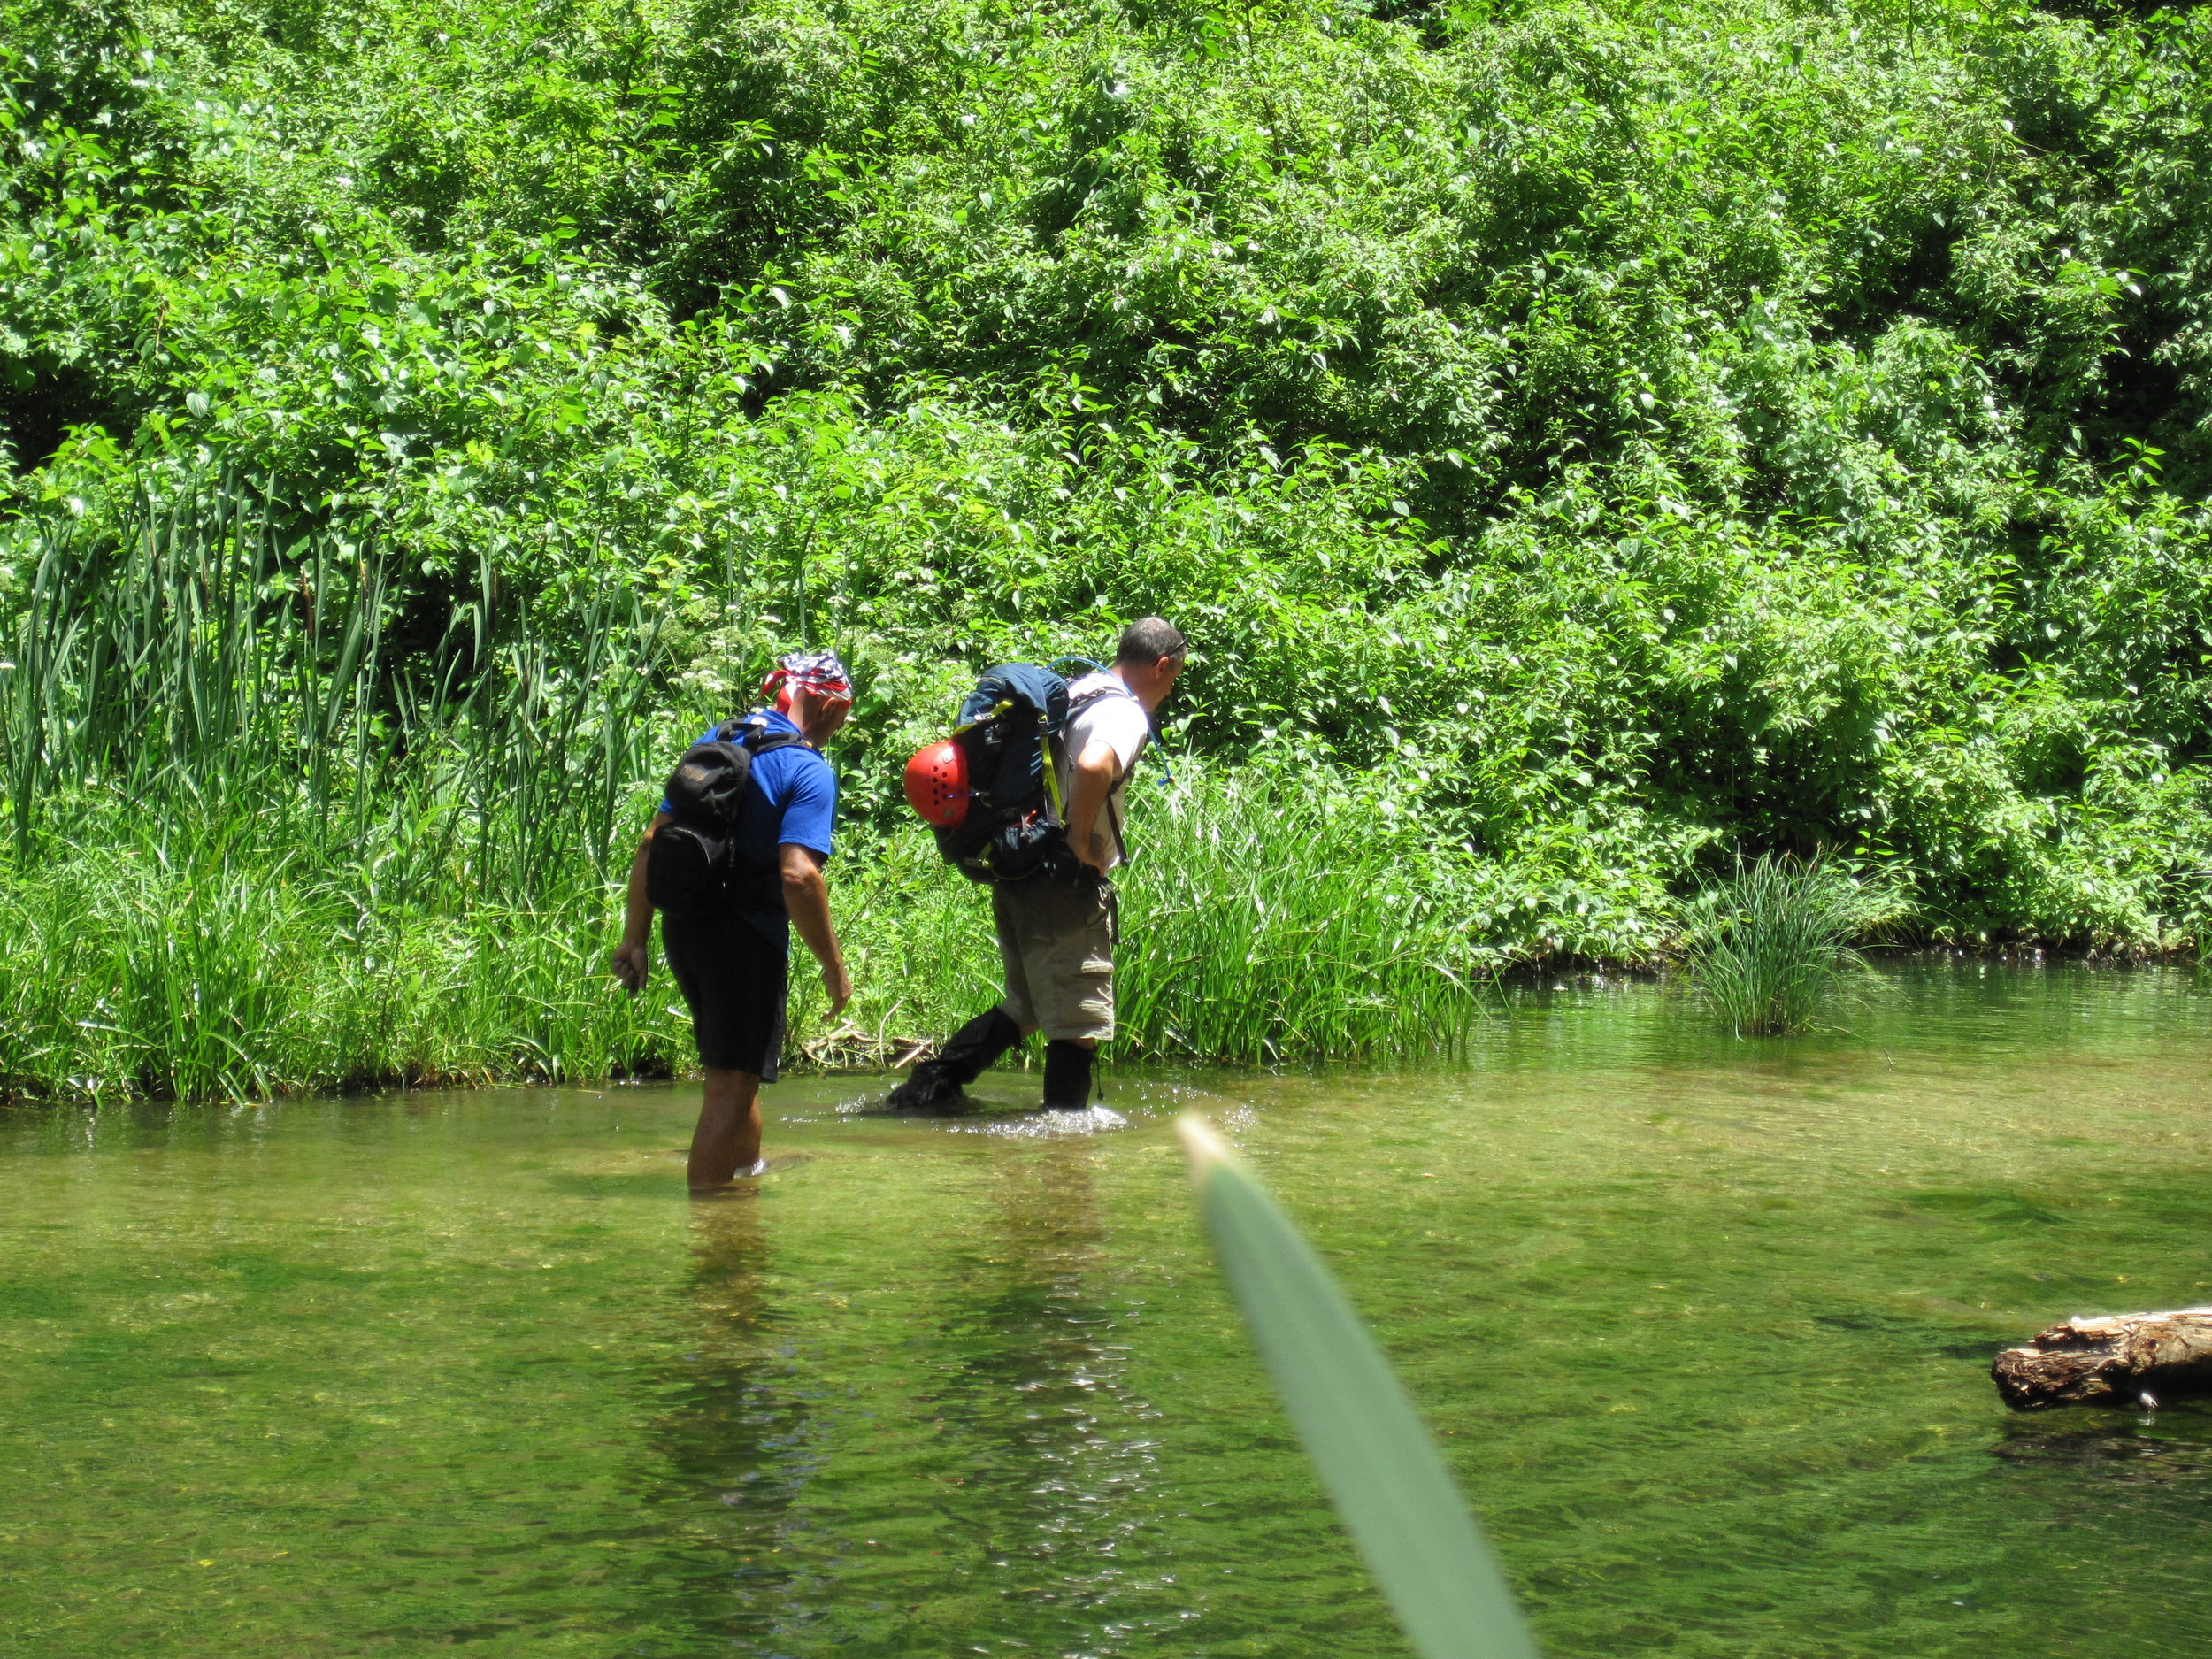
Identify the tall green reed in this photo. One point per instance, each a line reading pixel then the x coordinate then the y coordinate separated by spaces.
pixel 175 962
pixel 917 941
pixel 1775 946
pixel 203 955
pixel 1264 921
pixel 221 658
pixel 1259 923
pixel 246 851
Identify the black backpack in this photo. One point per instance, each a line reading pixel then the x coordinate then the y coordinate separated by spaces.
pixel 693 861
pixel 1014 828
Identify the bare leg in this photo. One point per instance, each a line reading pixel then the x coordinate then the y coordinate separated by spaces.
pixel 727 1138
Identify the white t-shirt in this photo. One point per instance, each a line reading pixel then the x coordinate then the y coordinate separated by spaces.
pixel 1116 719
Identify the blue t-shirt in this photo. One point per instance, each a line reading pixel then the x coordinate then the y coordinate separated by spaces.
pixel 792 797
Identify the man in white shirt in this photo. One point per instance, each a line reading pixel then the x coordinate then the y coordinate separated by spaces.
pixel 1056 939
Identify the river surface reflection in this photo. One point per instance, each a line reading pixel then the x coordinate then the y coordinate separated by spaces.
pixel 1703 1326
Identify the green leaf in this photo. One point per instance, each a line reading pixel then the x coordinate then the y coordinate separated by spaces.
pixel 1379 1464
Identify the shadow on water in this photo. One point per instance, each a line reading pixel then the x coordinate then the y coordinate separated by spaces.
pixel 1031 1361
pixel 734 1434
pixel 1025 1385
pixel 969 1480
pixel 2102 1453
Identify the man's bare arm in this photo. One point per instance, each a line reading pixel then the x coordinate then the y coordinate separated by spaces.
pixel 632 956
pixel 806 899
pixel 1095 770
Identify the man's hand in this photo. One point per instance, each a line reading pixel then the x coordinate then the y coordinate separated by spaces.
pixel 839 985
pixel 806 900
pixel 631 957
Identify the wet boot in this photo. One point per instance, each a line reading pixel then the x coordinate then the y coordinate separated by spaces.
pixel 1068 1075
pixel 967 1054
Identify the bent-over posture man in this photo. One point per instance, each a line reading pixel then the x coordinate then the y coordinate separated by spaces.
pixel 1058 940
pixel 732 957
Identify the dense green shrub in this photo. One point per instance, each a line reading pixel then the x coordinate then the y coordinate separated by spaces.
pixel 1617 438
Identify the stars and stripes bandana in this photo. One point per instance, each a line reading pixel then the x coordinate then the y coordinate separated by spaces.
pixel 817 672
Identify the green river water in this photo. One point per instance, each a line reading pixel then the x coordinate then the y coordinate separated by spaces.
pixel 1703 1326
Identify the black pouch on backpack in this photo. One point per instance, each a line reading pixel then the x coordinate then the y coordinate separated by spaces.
pixel 1007 726
pixel 691 863
pixel 1031 848
pixel 683 868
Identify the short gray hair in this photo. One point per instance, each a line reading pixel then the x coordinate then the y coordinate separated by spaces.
pixel 1148 639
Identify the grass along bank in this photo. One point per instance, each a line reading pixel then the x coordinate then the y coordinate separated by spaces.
pixel 210 962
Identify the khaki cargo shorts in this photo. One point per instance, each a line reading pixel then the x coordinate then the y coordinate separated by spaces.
pixel 1057 945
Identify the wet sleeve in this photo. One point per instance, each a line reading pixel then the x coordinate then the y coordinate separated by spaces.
pixel 810 810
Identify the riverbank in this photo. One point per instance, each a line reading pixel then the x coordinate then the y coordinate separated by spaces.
pixel 1255 929
pixel 1584 445
pixel 1260 927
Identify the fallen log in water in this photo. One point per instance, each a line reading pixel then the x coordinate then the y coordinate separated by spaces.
pixel 2122 1359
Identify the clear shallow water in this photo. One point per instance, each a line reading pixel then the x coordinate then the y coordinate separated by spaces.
pixel 1703 1325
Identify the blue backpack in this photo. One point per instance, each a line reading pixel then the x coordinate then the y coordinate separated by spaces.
pixel 1013 829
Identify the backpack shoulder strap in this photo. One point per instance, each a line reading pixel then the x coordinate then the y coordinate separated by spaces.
pixel 1114 688
pixel 751 732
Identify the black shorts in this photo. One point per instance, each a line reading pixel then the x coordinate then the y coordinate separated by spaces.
pixel 734 982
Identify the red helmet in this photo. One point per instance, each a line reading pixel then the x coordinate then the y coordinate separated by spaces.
pixel 937 785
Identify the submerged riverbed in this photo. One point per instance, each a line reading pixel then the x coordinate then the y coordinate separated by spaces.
pixel 1703 1326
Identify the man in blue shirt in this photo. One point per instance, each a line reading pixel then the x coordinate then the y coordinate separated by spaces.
pixel 732 957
